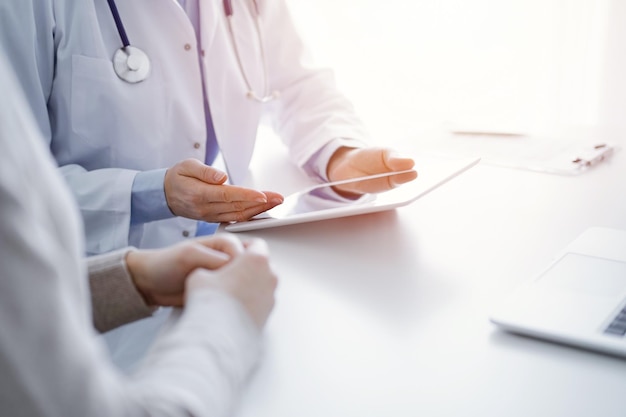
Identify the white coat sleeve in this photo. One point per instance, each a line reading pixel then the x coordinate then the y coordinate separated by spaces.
pixel 311 111
pixel 27 39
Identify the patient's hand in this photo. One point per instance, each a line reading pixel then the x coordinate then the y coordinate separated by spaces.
pixel 160 274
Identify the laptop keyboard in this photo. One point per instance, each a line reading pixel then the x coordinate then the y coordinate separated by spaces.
pixel 618 326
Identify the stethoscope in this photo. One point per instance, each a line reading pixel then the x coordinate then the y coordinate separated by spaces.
pixel 132 65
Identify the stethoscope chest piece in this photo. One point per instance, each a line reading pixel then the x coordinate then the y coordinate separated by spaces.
pixel 131 64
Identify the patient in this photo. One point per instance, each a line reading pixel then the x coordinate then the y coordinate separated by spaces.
pixel 52 362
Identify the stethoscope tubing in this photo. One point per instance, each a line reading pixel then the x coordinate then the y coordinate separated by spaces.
pixel 121 30
pixel 268 95
pixel 228 7
pixel 127 72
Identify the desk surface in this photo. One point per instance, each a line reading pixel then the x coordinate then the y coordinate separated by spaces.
pixel 387 314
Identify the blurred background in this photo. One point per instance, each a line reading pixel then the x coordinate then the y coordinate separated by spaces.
pixel 522 66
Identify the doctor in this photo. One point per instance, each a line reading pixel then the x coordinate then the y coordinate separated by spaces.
pixel 136 99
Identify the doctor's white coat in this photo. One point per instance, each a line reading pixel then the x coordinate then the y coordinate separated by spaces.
pixel 102 130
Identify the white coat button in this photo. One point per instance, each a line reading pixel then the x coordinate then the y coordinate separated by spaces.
pixel 185 233
pixel 187 47
pixel 196 145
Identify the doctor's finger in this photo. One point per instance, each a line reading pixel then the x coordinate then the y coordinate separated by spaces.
pixel 375 160
pixel 396 162
pixel 226 212
pixel 198 170
pixel 242 215
pixel 235 194
pixel 377 185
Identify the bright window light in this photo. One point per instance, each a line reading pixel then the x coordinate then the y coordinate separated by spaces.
pixel 516 65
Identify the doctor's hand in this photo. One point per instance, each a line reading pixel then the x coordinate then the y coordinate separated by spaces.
pixel 160 274
pixel 248 278
pixel 349 163
pixel 197 191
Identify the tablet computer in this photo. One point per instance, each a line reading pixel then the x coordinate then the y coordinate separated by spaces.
pixel 320 202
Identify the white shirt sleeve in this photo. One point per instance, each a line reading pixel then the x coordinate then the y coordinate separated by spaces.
pixel 311 113
pixel 317 165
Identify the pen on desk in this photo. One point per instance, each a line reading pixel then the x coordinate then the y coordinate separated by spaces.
pixel 606 152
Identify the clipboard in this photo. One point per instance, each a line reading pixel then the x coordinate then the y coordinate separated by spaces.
pixel 531 153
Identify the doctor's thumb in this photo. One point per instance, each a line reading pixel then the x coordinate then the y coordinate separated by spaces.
pixel 196 169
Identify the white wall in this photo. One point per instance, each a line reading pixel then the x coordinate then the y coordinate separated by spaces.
pixel 613 98
pixel 529 65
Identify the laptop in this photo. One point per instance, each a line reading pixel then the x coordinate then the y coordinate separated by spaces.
pixel 579 299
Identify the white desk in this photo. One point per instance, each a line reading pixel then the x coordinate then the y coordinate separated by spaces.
pixel 387 314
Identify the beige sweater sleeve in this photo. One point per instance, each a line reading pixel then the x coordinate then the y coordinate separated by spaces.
pixel 114 298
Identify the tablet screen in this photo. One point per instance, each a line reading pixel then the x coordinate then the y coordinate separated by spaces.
pixel 325 197
pixel 321 202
